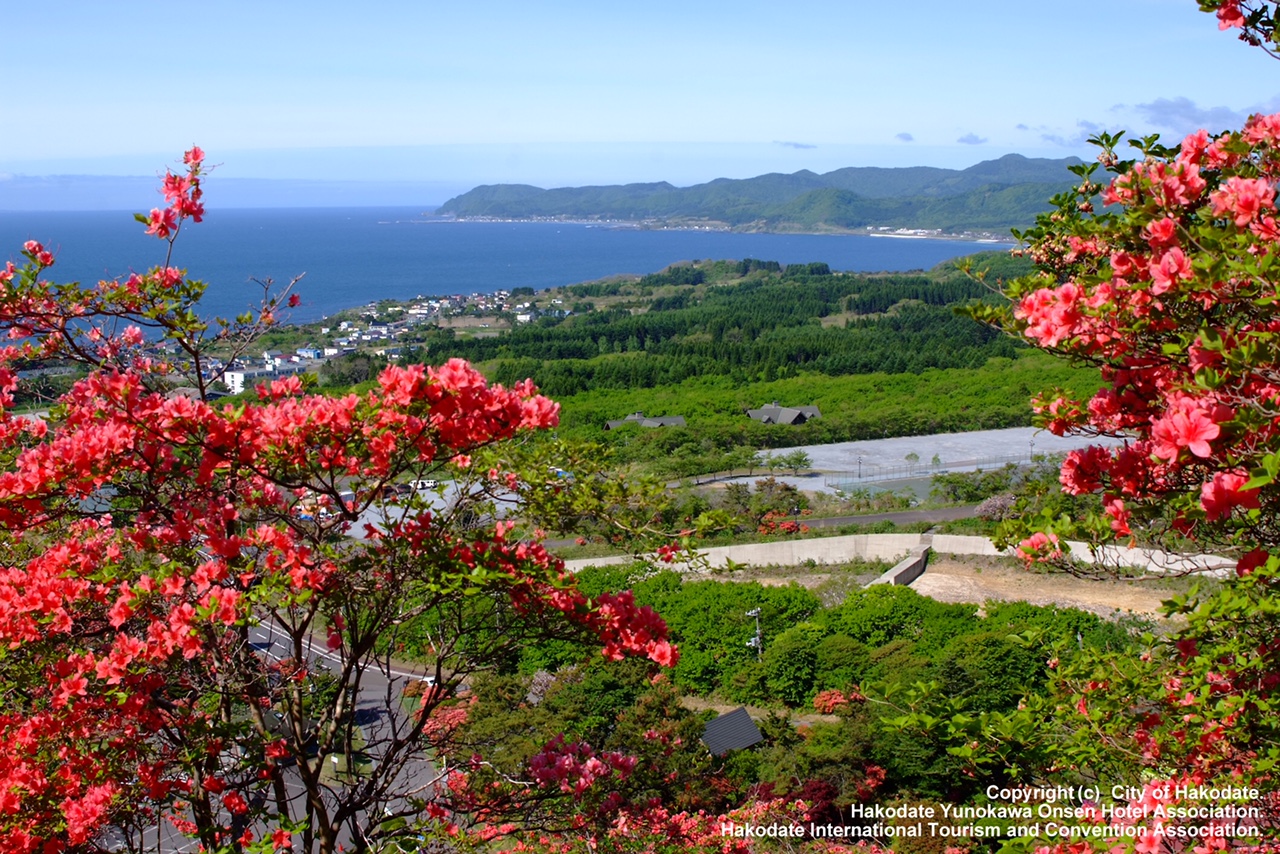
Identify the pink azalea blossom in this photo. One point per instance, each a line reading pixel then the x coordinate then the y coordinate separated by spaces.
pixel 1169 269
pixel 1189 428
pixel 1230 16
pixel 1243 199
pixel 162 222
pixel 1162 233
pixel 1223 493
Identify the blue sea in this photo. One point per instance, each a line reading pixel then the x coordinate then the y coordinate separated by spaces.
pixel 351 256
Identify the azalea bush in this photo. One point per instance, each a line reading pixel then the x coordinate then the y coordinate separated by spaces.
pixel 196 618
pixel 1163 271
pixel 1168 291
pixel 1255 19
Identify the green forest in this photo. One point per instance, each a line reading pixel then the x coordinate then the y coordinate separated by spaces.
pixel 763 327
pixel 880 355
pixel 861 663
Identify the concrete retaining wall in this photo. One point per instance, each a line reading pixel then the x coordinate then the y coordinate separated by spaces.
pixel 584 562
pixel 792 552
pixel 1150 560
pixel 916 547
pixel 820 550
pixel 954 544
pixel 908 569
pixel 1153 560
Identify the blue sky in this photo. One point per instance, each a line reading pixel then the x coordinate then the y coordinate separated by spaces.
pixel 455 94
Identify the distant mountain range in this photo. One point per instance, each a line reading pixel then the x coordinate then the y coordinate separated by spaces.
pixel 994 195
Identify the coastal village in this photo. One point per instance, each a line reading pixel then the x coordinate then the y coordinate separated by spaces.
pixel 384 329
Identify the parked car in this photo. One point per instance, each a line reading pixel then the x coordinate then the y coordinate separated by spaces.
pixel 390 492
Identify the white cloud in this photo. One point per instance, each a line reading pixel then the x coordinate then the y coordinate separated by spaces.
pixel 1080 135
pixel 1183 116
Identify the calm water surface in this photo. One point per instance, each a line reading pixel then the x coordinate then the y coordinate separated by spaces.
pixel 354 255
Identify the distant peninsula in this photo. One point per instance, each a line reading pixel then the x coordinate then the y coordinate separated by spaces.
pixel 992 196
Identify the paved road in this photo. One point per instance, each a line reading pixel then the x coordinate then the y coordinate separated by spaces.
pixel 378 713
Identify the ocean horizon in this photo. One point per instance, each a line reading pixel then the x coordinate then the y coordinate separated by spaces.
pixel 349 257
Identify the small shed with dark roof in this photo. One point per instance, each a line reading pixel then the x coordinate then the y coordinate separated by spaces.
pixel 775 414
pixel 732 731
pixel 647 421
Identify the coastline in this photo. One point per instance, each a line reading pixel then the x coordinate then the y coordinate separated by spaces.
pixel 899 232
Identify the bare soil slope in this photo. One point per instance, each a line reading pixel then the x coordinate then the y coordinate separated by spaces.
pixel 952 578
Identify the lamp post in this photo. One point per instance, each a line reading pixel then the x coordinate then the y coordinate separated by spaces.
pixel 859 466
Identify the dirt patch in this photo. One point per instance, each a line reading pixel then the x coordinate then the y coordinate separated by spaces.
pixel 471 321
pixel 831 584
pixel 978 579
pixel 757 713
pixel 809 581
pixel 951 578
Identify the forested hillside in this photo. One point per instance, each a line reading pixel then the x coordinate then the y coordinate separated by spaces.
pixel 995 194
